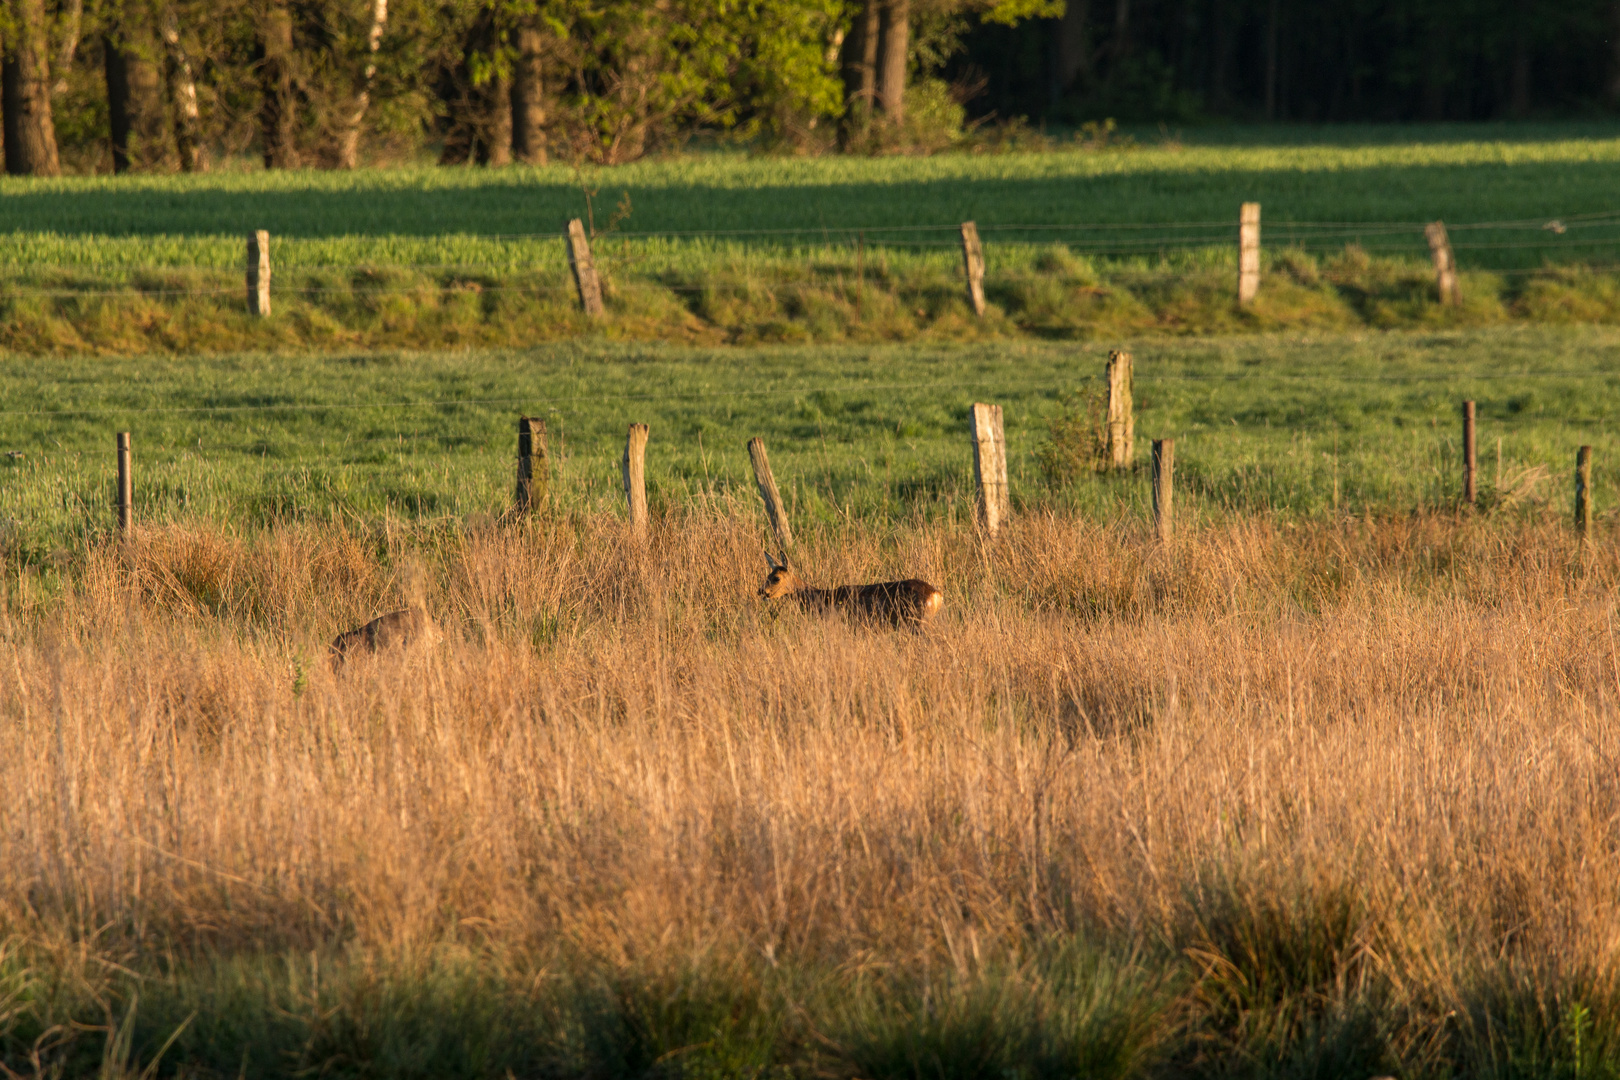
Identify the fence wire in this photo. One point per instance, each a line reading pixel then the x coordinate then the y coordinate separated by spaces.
pixel 1546 237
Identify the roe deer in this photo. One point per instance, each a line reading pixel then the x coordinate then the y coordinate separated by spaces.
pixel 912 601
pixel 406 626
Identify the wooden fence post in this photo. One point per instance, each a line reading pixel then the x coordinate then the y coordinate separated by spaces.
pixel 1445 265
pixel 1469 470
pixel 1164 476
pixel 126 486
pixel 767 492
pixel 1121 433
pixel 258 273
pixel 1583 491
pixel 990 466
pixel 532 488
pixel 634 469
pixel 579 261
pixel 1248 253
pixel 973 263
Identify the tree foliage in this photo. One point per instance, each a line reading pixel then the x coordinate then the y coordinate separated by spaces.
pixel 160 84
pixel 1304 60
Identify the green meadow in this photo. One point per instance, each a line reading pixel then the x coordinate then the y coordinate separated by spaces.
pixel 1294 425
pixel 1463 174
pixel 719 247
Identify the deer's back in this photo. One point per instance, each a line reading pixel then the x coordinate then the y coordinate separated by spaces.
pixel 911 601
pixel 393 630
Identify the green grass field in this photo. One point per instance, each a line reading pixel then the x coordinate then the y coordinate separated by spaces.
pixel 1275 424
pixel 722 248
pixel 419 215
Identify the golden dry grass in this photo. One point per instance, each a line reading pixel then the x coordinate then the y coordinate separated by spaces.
pixel 1387 749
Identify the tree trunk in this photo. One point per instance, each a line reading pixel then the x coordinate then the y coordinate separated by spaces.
pixel 134 100
pixel 479 117
pixel 528 100
pixel 72 26
pixel 30 133
pixel 858 69
pixel 278 109
pixel 496 150
pixel 1073 49
pixel 119 113
pixel 348 142
pixel 1271 63
pixel 481 123
pixel 894 49
pixel 182 92
pixel 1122 30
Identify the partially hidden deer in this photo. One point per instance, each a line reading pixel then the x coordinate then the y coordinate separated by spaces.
pixel 395 630
pixel 912 601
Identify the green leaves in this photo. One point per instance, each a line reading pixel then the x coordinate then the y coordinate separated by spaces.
pixel 1012 12
pixel 640 75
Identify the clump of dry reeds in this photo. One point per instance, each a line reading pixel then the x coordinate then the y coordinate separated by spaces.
pixel 1276 799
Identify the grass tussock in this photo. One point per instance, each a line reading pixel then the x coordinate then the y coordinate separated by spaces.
pixel 1332 797
pixel 752 298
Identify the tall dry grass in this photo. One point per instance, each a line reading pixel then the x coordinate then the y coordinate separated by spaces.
pixel 1344 787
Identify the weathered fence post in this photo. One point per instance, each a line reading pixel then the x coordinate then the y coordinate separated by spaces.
pixel 634 468
pixel 990 466
pixel 1445 266
pixel 1469 470
pixel 1121 433
pixel 258 273
pixel 1164 475
pixel 1583 491
pixel 768 493
pixel 973 263
pixel 532 487
pixel 126 486
pixel 579 261
pixel 1248 253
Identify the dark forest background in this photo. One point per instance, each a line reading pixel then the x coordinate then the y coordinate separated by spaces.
pixel 1298 60
pixel 156 85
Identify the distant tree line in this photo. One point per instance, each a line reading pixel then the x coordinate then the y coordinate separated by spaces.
pixel 1301 60
pixel 112 85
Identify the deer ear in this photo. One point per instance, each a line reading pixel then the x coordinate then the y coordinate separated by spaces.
pixel 771 560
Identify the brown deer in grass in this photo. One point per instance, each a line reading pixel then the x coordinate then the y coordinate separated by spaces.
pixel 396 629
pixel 913 601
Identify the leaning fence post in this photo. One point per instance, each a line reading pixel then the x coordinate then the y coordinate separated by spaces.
pixel 1583 491
pixel 531 487
pixel 1121 432
pixel 1248 253
pixel 973 263
pixel 990 466
pixel 126 486
pixel 767 492
pixel 1469 470
pixel 1164 475
pixel 1445 265
pixel 579 261
pixel 634 469
pixel 258 273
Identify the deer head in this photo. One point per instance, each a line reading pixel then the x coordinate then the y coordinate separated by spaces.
pixel 780 581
